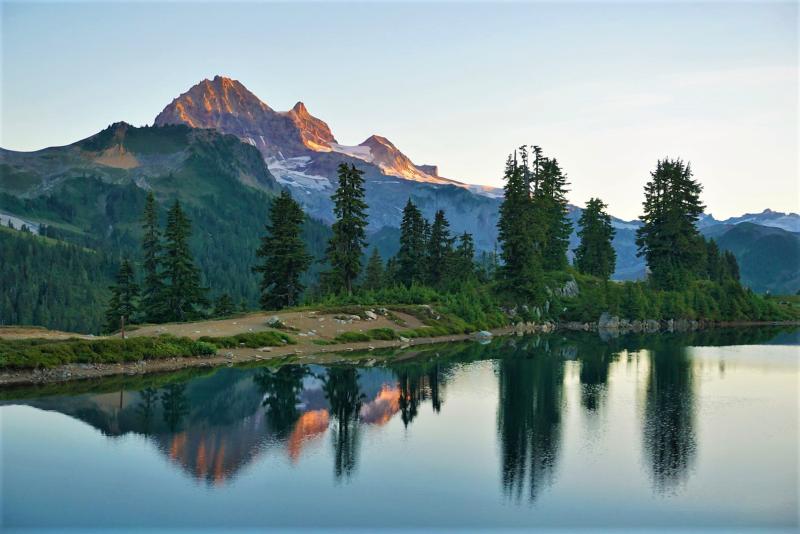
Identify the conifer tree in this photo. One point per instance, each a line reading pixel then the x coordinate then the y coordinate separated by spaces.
pixel 668 237
pixel 714 266
pixel 595 255
pixel 374 276
pixel 520 273
pixel 283 253
pixel 411 256
pixel 184 297
pixel 550 204
pixel 439 250
pixel 731 266
pixel 464 257
pixel 122 305
pixel 152 302
pixel 349 231
pixel 224 306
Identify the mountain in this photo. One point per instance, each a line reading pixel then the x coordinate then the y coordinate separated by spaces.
pixel 303 154
pixel 769 257
pixel 776 219
pixel 91 193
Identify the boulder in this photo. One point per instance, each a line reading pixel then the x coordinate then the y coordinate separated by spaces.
pixel 371 315
pixel 608 322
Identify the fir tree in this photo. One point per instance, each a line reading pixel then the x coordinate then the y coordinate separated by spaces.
pixel 183 295
pixel 373 275
pixel 122 305
pixel 520 273
pixel 464 257
pixel 411 256
pixel 152 288
pixel 595 255
pixel 731 269
pixel 668 237
pixel 550 205
pixel 440 249
pixel 224 306
pixel 714 267
pixel 349 231
pixel 283 253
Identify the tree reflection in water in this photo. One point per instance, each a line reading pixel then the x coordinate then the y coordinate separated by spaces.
pixel 344 397
pixel 669 436
pixel 531 382
pixel 145 409
pixel 174 405
pixel 281 389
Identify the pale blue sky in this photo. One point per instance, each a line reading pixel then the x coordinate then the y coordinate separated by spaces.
pixel 606 88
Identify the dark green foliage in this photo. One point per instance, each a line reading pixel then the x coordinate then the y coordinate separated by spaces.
pixel 668 238
pixel 283 255
pixel 595 255
pixel 463 262
pixel 123 298
pixel 184 297
pixel 46 282
pixel 374 275
pixel 411 256
pixel 152 304
pixel 550 208
pixel 349 231
pixel 519 275
pixel 439 251
pixel 32 353
pixel 224 306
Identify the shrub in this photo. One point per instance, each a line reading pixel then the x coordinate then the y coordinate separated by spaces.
pixel 203 348
pixel 382 333
pixel 351 337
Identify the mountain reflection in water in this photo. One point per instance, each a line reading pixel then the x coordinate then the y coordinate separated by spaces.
pixel 211 424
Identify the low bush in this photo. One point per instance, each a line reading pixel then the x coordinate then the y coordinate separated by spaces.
pixel 253 340
pixel 351 337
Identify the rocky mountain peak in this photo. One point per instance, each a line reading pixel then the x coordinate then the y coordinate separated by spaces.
pixel 314 132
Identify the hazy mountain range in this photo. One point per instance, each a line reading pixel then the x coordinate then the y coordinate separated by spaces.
pixel 89 191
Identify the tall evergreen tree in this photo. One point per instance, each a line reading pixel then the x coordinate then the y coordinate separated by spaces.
pixel 122 305
pixel 283 253
pixel 349 231
pixel 463 264
pixel 184 297
pixel 731 266
pixel 668 237
pixel 595 255
pixel 373 275
pixel 439 250
pixel 152 287
pixel 550 205
pixel 714 266
pixel 520 273
pixel 224 306
pixel 411 256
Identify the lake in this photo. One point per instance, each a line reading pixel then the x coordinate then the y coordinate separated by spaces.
pixel 567 430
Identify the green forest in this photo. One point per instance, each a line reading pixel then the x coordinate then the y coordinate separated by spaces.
pixel 177 254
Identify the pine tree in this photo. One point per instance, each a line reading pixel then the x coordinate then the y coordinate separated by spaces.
pixel 595 255
pixel 411 256
pixel 520 273
pixel 349 231
pixel 183 295
pixel 283 253
pixel 463 264
pixel 550 203
pixel 152 288
pixel 668 237
pixel 439 250
pixel 714 266
pixel 224 306
pixel 731 270
pixel 122 305
pixel 373 278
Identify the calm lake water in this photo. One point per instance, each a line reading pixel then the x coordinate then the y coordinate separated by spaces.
pixel 693 430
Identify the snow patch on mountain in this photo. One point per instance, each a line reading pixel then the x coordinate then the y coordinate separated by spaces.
pixel 289 171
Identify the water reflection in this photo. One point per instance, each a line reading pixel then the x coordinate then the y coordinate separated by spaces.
pixel 531 378
pixel 211 424
pixel 345 399
pixel 669 436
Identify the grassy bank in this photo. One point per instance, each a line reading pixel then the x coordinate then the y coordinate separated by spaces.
pixel 34 353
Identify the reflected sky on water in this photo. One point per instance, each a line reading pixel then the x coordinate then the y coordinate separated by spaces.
pixel 562 430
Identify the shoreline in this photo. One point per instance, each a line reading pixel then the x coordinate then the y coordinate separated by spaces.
pixel 331 353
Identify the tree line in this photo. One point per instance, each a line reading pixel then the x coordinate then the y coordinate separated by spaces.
pixel 533 236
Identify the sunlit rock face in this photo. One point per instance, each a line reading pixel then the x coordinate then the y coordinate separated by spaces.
pixel 302 153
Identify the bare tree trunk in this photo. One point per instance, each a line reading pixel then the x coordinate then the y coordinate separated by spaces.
pixel 122 326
